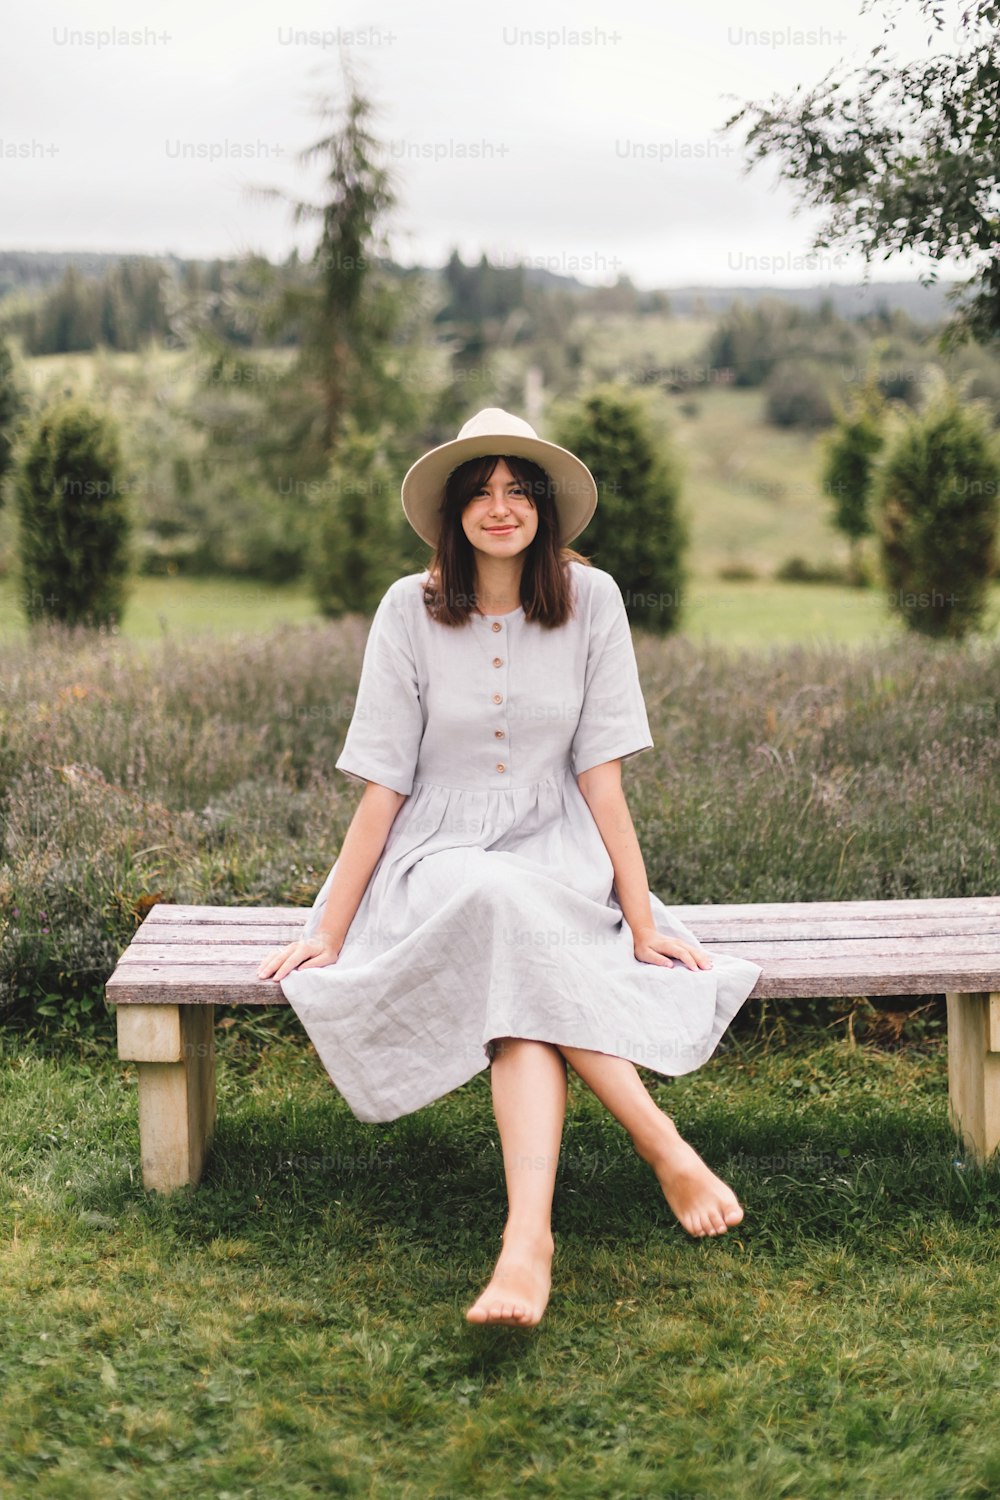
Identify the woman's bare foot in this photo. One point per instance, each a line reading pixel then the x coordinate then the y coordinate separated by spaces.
pixel 702 1202
pixel 518 1290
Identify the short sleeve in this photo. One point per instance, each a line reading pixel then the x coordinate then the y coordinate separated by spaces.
pixel 383 738
pixel 613 723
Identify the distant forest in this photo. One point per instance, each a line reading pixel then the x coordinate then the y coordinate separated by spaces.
pixel 66 302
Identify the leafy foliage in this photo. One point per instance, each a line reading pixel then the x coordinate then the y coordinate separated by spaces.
pixel 903 156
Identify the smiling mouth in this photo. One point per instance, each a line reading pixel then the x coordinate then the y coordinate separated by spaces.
pixel 494 529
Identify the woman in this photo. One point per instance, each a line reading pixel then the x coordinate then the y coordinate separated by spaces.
pixel 489 906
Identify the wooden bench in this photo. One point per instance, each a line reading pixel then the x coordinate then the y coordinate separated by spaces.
pixel 186 960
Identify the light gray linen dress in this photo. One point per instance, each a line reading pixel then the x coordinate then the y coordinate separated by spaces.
pixel 491 911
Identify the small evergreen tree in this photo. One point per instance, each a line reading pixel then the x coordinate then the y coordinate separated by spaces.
pixel 358 545
pixel 637 533
pixel 936 516
pixel 848 468
pixel 74 521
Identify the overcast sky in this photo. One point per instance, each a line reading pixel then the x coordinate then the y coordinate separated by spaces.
pixel 584 139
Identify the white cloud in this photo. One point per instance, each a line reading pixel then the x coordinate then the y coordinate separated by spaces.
pixel 514 146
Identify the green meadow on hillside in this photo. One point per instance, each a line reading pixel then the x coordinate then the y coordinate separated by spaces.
pixel 751 490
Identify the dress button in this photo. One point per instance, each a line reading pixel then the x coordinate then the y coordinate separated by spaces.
pixel 501 766
pixel 497 625
pixel 498 661
pixel 498 734
pixel 497 698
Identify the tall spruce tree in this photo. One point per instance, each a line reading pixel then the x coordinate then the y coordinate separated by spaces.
pixel 348 310
pixel 355 321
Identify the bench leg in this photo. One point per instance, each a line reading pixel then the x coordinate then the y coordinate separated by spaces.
pixel 974 1071
pixel 174 1047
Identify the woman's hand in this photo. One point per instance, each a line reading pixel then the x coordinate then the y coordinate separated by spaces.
pixel 307 953
pixel 653 947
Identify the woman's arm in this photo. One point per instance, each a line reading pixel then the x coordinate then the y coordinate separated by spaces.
pixel 359 854
pixel 601 787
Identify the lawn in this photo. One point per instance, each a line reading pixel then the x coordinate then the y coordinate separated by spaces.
pixel 757 612
pixel 294 1326
pixel 161 607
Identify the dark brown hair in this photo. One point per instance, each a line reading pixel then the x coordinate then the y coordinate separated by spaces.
pixel 545 582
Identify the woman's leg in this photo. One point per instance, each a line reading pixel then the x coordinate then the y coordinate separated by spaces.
pixel 528 1080
pixel 702 1202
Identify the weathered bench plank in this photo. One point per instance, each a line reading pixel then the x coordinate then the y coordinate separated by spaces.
pixel 935 953
pixel 709 930
pixel 185 960
pixel 901 908
pixel 235 982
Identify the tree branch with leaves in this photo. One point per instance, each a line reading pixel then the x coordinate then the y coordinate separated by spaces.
pixel 905 157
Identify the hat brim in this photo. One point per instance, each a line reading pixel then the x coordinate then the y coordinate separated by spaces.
pixel 573 485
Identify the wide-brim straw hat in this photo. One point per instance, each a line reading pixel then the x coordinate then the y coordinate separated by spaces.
pixel 496 431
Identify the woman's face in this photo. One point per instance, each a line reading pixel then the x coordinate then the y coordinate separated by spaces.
pixel 501 520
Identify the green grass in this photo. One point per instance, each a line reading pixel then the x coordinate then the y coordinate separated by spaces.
pixel 188 606
pixel 757 612
pixel 752 491
pixel 761 614
pixel 294 1326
